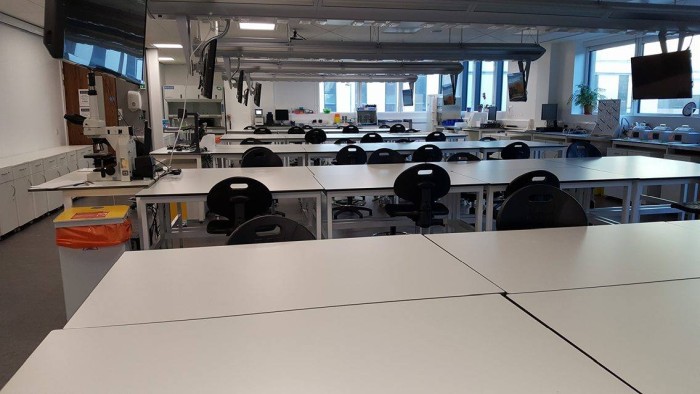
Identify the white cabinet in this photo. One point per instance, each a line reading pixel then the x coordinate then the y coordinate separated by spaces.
pixel 39 199
pixel 8 215
pixel 54 199
pixel 24 200
pixel 82 161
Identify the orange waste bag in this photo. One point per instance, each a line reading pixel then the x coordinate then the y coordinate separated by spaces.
pixel 90 237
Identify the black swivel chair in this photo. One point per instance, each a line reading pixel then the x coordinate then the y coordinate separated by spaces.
pixel 260 157
pixel 488 155
pixel 540 206
pixel 238 199
pixel 386 156
pixel 350 155
pixel 427 153
pixel 269 228
pixel 344 141
pixel 350 129
pixel 421 185
pixel 582 149
pixel 397 128
pixel 436 136
pixel 411 130
pixel 515 151
pixel 307 127
pixel 384 126
pixel 295 130
pixel 371 138
pixel 536 177
pixel 253 141
pixel 315 136
pixel 463 157
pixel 249 128
pixel 262 130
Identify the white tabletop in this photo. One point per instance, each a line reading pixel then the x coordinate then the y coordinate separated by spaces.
pixel 688 224
pixel 198 182
pixel 22 158
pixel 373 176
pixel 480 344
pixel 237 149
pixel 167 285
pixel 639 167
pixel 647 333
pixel 77 180
pixel 332 136
pixel 569 258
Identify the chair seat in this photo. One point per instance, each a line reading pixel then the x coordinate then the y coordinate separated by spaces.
pixel 220 227
pixel 409 209
pixel 690 207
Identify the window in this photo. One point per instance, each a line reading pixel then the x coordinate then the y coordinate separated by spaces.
pixel 611 73
pixel 391 97
pixel 338 96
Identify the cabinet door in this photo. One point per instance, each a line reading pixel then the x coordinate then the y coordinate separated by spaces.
pixel 24 201
pixel 54 199
pixel 8 213
pixel 39 199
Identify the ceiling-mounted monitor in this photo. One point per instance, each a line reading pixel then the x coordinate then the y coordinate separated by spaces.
pixel 206 77
pixel 516 87
pixel 239 86
pixel 256 94
pixel 407 95
pixel 663 76
pixel 103 35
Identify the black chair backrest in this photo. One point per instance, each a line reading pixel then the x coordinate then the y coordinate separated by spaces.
pixel 351 129
pixel 403 140
pixel 262 130
pixel 260 157
pixel 487 139
pixel 253 141
pixel 427 153
pixel 386 156
pixel 341 141
pixel 422 185
pixel 537 177
pixel 269 228
pixel 397 128
pixel 411 130
pixel 307 127
pixel 384 126
pixel 249 128
pixel 239 199
pixel 582 149
pixel 463 156
pixel 436 136
pixel 516 150
pixel 540 206
pixel 351 154
pixel 295 130
pixel 315 136
pixel 371 137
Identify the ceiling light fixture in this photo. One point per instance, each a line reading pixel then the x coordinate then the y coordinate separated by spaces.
pixel 256 26
pixel 168 46
pixel 166 59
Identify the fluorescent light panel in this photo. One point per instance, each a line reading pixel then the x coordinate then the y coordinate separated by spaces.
pixel 166 59
pixel 168 46
pixel 256 26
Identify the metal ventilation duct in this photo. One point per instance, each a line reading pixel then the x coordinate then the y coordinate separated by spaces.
pixel 264 77
pixel 364 68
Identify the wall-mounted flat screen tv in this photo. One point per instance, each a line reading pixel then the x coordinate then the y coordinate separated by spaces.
pixel 516 87
pixel 663 76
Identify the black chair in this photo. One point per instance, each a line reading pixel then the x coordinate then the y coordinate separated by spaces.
pixel 384 126
pixel 238 199
pixel 371 138
pixel 515 151
pixel 350 155
pixel 427 153
pixel 351 129
pixel 295 130
pixel 421 185
pixel 344 141
pixel 386 156
pixel 540 206
pixel 436 136
pixel 487 139
pixel 260 157
pixel 397 128
pixel 315 136
pixel 582 149
pixel 249 128
pixel 269 228
pixel 536 177
pixel 411 130
pixel 262 130
pixel 463 156
pixel 253 141
pixel 307 127
pixel 404 140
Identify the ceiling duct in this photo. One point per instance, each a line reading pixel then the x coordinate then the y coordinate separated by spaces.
pixel 264 77
pixel 363 68
pixel 379 51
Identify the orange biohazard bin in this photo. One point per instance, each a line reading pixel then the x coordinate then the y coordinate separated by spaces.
pixel 90 240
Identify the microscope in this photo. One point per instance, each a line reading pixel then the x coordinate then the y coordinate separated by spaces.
pixel 108 167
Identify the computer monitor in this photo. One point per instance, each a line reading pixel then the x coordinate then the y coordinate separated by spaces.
pixel 258 112
pixel 281 115
pixel 492 114
pixel 549 113
pixel 407 97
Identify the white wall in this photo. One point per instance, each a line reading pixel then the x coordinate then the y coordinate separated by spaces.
pixel 31 98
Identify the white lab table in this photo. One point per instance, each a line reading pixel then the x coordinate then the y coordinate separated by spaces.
pixel 193 185
pixel 75 184
pixel 229 152
pixel 480 344
pixel 378 179
pixel 236 138
pixel 195 283
pixel 577 257
pixel 645 333
pixel 689 224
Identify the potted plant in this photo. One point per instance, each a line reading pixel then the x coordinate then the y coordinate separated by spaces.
pixel 586 97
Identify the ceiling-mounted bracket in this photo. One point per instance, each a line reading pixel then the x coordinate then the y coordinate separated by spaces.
pixel 524 67
pixel 662 41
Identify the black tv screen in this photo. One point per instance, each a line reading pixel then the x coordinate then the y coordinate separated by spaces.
pixel 206 78
pixel 516 87
pixel 407 97
pixel 663 76
pixel 104 35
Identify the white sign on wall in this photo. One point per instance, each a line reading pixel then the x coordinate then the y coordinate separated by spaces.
pixel 83 98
